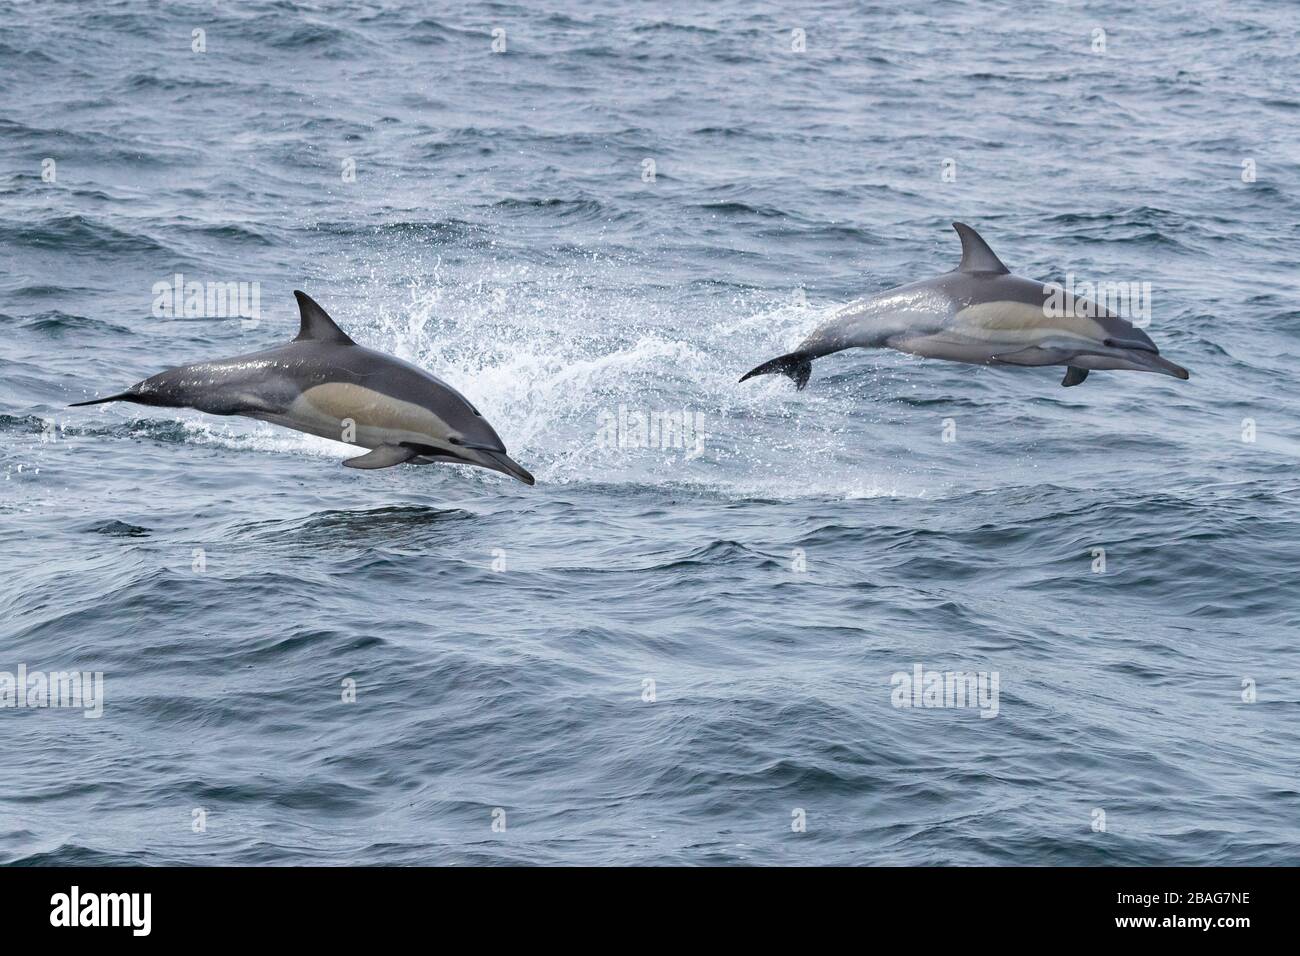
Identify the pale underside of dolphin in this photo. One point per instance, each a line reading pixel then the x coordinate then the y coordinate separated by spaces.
pixel 323 383
pixel 981 314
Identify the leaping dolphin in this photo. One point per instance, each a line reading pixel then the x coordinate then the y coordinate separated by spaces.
pixel 982 314
pixel 323 383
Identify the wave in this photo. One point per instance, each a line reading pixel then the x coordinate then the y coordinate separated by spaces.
pixel 81 235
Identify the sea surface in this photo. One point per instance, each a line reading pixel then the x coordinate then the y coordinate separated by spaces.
pixel 689 654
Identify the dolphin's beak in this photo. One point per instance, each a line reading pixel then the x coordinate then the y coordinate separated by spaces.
pixel 1135 360
pixel 1153 362
pixel 500 461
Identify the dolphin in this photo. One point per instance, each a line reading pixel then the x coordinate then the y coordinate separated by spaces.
pixel 323 383
pixel 980 313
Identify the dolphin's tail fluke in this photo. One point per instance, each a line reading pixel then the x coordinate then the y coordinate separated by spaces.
pixel 797 366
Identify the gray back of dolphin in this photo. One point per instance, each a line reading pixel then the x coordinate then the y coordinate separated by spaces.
pixel 325 384
pixel 980 313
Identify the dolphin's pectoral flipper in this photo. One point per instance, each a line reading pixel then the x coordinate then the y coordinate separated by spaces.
pixel 1074 376
pixel 797 366
pixel 385 456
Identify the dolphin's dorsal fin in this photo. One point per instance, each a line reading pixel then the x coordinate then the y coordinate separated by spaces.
pixel 976 256
pixel 317 326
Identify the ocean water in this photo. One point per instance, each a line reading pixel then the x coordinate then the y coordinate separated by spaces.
pixel 679 655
